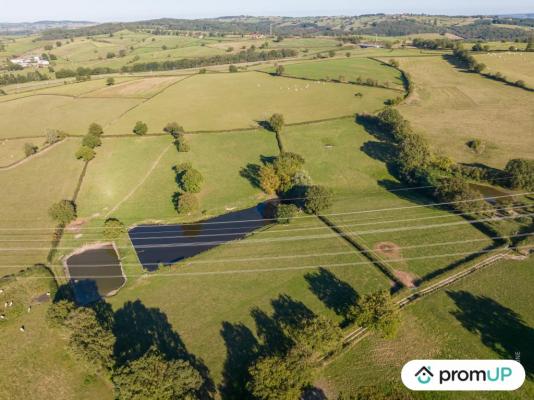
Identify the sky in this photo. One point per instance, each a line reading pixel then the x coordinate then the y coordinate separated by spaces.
pixel 131 10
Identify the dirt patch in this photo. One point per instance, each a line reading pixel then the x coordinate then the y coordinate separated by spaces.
pixel 388 250
pixel 406 278
pixel 76 225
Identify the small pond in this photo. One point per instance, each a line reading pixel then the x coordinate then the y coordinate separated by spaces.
pixel 167 244
pixel 94 273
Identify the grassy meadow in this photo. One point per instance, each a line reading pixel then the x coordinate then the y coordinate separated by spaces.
pixel 369 205
pixel 487 316
pixel 514 65
pixel 451 107
pixel 349 69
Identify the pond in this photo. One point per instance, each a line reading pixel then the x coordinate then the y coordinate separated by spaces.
pixel 95 272
pixel 167 244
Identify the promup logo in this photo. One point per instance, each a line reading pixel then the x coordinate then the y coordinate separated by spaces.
pixel 424 375
pixel 463 375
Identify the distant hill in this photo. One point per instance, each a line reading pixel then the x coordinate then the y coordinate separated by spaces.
pixel 39 26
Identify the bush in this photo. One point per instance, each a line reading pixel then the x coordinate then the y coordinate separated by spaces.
pixel 89 340
pixel 521 172
pixel 276 122
pixel 317 199
pixel 181 143
pixel 54 136
pixel 91 141
pixel 280 70
pixel 285 213
pixel 140 128
pixel 232 68
pixel 174 129
pixel 58 312
pixel 268 179
pixel 30 149
pixel 95 129
pixel 153 376
pixel 85 153
pixel 110 81
pixel 191 181
pixel 476 145
pixel 113 229
pixel 379 312
pixel 185 203
pixel 63 211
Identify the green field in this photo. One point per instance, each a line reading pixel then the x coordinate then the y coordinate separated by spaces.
pixel 349 69
pixel 340 155
pixel 244 99
pixel 36 363
pixel 514 65
pixel 31 188
pixel 487 316
pixel 451 107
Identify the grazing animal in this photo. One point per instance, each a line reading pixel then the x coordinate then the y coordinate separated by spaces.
pixel 1 291
pixel 11 303
pixel 48 294
pixel 2 316
pixel 29 308
pixel 22 329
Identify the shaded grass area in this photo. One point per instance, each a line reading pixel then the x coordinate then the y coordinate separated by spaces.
pixel 485 316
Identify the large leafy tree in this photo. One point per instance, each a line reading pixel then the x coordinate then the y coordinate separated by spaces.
pixel 154 377
pixel 379 312
pixel 63 211
pixel 276 122
pixel 317 199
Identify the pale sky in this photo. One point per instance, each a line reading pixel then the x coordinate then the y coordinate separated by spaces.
pixel 131 10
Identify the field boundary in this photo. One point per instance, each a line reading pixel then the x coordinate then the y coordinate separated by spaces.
pixel 31 157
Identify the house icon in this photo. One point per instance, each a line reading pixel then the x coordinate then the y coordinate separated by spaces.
pixel 424 375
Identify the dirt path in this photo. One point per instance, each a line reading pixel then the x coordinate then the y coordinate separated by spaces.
pixel 29 158
pixel 141 182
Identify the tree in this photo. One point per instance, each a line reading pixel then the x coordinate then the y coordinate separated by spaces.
pixel 464 198
pixel 185 203
pixel 181 143
pixel 316 337
pixel 30 149
pixel 331 53
pixel 113 229
pixel 530 44
pixel 521 173
pixel 280 70
pixel 95 129
pixel 279 377
pixel 110 81
pixel 268 179
pixel 317 199
pixel 63 211
pixel 232 68
pixel 276 122
pixel 394 63
pixel 287 165
pixel 91 141
pixel 379 312
pixel 174 129
pixel 154 377
pixel 89 339
pixel 413 155
pixel 191 181
pixel 140 128
pixel 285 213
pixel 85 153
pixel 54 136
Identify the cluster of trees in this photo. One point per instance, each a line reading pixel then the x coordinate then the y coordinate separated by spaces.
pixel 91 140
pixel 249 55
pixel 415 163
pixel 30 149
pixel 178 134
pixel 433 44
pixel 151 376
pixel 83 72
pixel 31 76
pixel 468 60
pixel 521 173
pixel 189 181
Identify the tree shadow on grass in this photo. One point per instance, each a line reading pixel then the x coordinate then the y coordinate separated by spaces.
pixel 138 328
pixel 500 328
pixel 241 352
pixel 336 294
pixel 243 348
pixel 252 173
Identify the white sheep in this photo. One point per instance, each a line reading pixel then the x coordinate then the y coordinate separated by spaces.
pixel 22 329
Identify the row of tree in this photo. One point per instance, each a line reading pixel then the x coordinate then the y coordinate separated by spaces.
pixel 89 142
